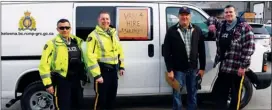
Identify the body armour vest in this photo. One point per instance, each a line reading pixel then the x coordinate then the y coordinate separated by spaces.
pixel 74 58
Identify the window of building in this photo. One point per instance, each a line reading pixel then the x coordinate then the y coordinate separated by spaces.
pixel 86 20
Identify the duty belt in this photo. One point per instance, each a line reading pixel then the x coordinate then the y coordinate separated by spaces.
pixel 108 67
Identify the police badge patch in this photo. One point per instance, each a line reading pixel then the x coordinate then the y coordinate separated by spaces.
pixel 89 39
pixel 45 47
pixel 27 22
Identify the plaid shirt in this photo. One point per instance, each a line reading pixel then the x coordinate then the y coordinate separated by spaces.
pixel 241 48
pixel 186 35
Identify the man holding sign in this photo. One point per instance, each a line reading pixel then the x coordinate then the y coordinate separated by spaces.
pixel 105 58
pixel 183 44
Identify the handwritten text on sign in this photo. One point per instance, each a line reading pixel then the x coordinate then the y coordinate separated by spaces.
pixel 133 23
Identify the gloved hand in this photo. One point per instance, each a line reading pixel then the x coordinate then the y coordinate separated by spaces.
pixel 198 81
pixel 85 80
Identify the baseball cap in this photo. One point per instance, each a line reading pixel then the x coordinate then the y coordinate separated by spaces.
pixel 184 10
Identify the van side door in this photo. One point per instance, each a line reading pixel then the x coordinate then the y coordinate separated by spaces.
pixel 137 25
pixel 168 18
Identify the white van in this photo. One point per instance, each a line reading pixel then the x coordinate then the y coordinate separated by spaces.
pixel 142 26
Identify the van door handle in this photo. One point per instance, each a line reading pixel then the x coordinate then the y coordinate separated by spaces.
pixel 150 50
pixel 162 49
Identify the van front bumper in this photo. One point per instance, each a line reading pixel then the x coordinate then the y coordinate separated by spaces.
pixel 262 81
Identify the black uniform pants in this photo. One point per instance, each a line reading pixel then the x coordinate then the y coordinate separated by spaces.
pixel 228 83
pixel 68 93
pixel 106 92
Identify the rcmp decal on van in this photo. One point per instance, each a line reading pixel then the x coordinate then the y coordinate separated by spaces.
pixel 27 22
pixel 27 26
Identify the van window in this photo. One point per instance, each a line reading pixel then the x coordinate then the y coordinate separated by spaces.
pixel 86 20
pixel 196 18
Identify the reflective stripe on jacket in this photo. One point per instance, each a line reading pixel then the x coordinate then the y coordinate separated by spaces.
pixel 103 48
pixel 55 61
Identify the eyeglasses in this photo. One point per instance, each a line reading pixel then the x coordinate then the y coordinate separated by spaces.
pixel 62 28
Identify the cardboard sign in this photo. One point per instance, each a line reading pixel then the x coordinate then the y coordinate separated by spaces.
pixel 173 83
pixel 133 23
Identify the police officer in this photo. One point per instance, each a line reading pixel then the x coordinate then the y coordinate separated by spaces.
pixel 62 67
pixel 235 45
pixel 105 58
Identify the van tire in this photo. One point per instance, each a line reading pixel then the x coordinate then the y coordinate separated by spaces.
pixel 248 94
pixel 29 91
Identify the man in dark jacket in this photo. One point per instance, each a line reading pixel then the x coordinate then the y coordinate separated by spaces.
pixel 183 45
pixel 235 45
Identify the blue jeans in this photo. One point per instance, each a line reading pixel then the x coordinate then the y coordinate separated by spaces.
pixel 187 78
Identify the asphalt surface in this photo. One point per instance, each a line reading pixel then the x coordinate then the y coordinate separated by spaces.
pixel 261 100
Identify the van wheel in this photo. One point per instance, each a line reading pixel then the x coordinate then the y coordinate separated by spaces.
pixel 247 93
pixel 35 97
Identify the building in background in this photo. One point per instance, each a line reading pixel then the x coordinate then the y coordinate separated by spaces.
pixel 217 8
pixel 262 10
pixel 245 9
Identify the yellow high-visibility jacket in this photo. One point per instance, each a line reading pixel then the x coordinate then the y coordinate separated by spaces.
pixel 55 58
pixel 101 47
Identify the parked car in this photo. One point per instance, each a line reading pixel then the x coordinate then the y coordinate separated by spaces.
pixel 269 29
pixel 262 36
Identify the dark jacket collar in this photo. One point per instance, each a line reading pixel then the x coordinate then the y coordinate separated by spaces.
pixel 179 26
